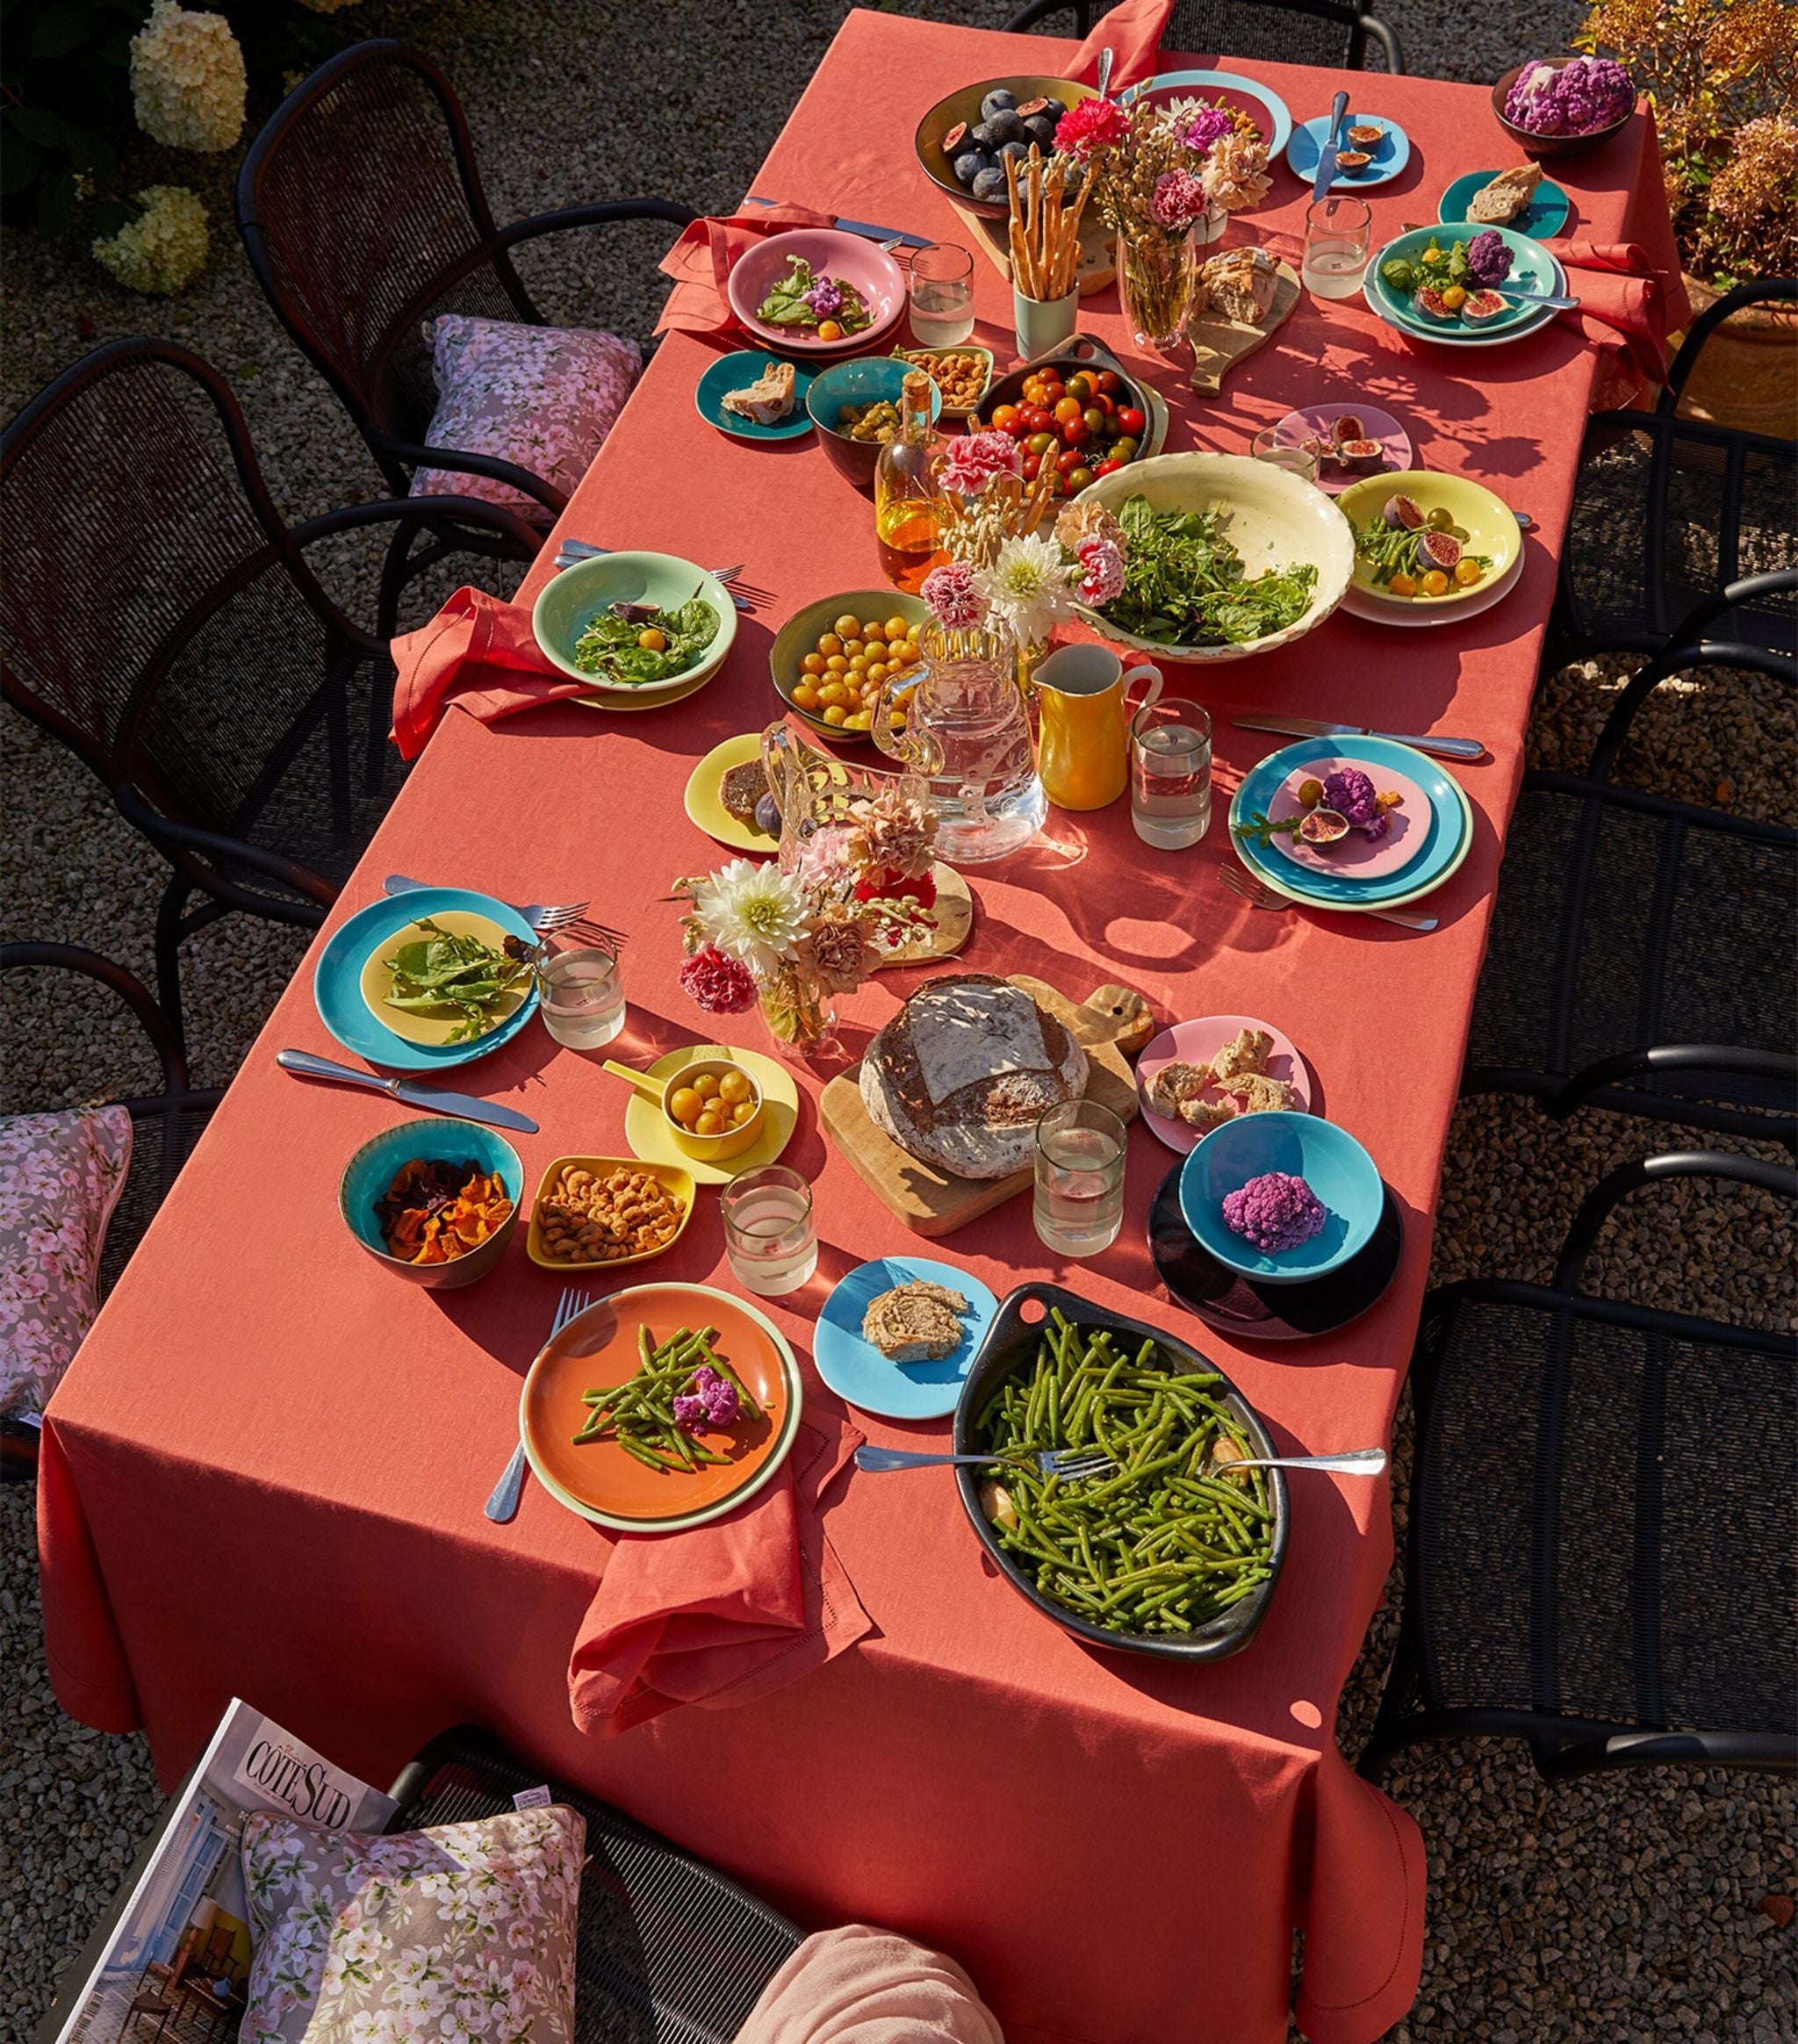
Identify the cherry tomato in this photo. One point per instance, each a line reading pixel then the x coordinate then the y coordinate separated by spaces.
pixel 1081 388
pixel 1106 468
pixel 1095 420
pixel 1079 480
pixel 1130 422
pixel 1040 420
pixel 1067 411
pixel 1107 405
pixel 1076 432
pixel 1069 460
pixel 1032 463
pixel 1040 443
pixel 1108 383
pixel 1125 450
pixel 1032 392
pixel 1005 418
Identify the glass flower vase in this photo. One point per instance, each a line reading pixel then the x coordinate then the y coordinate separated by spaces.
pixel 1157 284
pixel 800 1013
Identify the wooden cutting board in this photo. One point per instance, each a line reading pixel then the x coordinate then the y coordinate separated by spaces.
pixel 1219 343
pixel 955 923
pixel 1112 1024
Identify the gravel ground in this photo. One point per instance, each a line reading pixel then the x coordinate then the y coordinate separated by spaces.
pixel 1616 1909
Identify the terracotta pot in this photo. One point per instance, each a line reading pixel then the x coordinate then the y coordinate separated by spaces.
pixel 1747 377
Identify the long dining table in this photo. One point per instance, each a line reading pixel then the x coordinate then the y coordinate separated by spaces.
pixel 265 1473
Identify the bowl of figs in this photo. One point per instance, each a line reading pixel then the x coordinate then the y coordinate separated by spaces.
pixel 964 140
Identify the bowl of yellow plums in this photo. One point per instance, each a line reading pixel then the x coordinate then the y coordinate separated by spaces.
pixel 831 660
pixel 713 1108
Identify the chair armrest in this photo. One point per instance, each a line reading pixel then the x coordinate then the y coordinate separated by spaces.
pixel 126 985
pixel 478 464
pixel 1388 39
pixel 1039 11
pixel 1769 1751
pixel 1598 1206
pixel 1752 589
pixel 202 848
pixel 1756 291
pixel 419 511
pixel 1677 660
pixel 1728 1060
pixel 602 213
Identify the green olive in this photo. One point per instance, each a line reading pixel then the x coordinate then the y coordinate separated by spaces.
pixel 1441 518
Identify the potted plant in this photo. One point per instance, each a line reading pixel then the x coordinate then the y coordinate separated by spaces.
pixel 1722 77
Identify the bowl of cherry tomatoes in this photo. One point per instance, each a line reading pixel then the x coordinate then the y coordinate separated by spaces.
pixel 1080 420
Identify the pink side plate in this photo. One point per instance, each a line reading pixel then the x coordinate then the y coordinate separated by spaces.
pixel 866 265
pixel 1197 1043
pixel 1313 423
pixel 1363 858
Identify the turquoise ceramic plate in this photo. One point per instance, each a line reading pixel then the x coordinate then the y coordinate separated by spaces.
pixel 856 1370
pixel 1532 268
pixel 1541 219
pixel 1303 1146
pixel 1445 845
pixel 1390 157
pixel 337 980
pixel 1261 102
pixel 737 372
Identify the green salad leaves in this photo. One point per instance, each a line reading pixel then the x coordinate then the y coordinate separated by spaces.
pixel 1183 583
pixel 612 643
pixel 438 971
pixel 802 299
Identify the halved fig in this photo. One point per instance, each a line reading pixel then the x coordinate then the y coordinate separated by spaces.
pixel 1347 426
pixel 1429 301
pixel 1401 510
pixel 1439 550
pixel 1027 107
pixel 1365 456
pixel 1481 305
pixel 1323 826
pixel 956 136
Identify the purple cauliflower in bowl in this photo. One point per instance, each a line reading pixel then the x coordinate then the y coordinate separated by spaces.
pixel 1577 98
pixel 1488 258
pixel 1274 1211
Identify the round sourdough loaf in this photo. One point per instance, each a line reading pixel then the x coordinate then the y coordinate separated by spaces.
pixel 960 1075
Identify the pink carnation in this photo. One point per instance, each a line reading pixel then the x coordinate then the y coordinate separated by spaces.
pixel 1102 563
pixel 720 985
pixel 970 462
pixel 954 601
pixel 1179 199
pixel 1089 125
pixel 1204 126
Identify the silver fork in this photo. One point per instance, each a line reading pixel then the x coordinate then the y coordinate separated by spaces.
pixel 1065 1462
pixel 1258 895
pixel 574 550
pixel 545 918
pixel 503 1505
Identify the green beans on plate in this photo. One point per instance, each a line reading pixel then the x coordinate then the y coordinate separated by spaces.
pixel 1165 1539
pixel 644 1415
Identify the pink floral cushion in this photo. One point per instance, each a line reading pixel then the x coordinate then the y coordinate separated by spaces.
pixel 60 1175
pixel 463 1935
pixel 543 397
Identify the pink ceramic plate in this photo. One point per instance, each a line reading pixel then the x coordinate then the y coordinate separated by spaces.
pixel 1313 423
pixel 866 265
pixel 1197 1043
pixel 1356 854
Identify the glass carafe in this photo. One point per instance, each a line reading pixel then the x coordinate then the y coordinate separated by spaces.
pixel 907 502
pixel 967 737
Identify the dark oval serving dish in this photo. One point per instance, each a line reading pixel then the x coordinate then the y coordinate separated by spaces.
pixel 1009 390
pixel 1010 1346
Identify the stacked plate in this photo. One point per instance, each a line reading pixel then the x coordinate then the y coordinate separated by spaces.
pixel 1430 834
pixel 1532 269
pixel 1485 525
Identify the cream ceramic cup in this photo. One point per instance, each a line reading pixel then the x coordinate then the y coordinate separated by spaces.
pixel 1083 735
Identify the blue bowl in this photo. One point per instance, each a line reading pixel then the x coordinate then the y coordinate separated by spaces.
pixel 369 1172
pixel 865 379
pixel 1327 1157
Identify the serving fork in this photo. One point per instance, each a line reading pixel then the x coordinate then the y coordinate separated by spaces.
pixel 502 1505
pixel 1066 1462
pixel 744 594
pixel 1258 895
pixel 547 918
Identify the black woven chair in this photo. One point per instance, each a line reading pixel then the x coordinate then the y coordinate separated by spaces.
pixel 165 1126
pixel 1603 1524
pixel 669 1953
pixel 1667 512
pixel 159 618
pixel 362 208
pixel 1641 949
pixel 1334 34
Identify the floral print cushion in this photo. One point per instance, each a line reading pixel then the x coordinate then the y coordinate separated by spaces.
pixel 60 1175
pixel 463 1935
pixel 543 397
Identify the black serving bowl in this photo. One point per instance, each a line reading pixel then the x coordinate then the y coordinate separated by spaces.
pixel 1069 361
pixel 1009 1347
pixel 1547 145
pixel 963 105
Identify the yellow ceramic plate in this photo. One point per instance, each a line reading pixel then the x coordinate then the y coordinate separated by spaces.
pixel 647 1132
pixel 706 809
pixel 377 981
pixel 1489 522
pixel 676 1178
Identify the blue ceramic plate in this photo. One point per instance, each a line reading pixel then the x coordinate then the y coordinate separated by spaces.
pixel 1532 268
pixel 1445 842
pixel 337 980
pixel 1327 1157
pixel 856 1370
pixel 1261 102
pixel 1390 157
pixel 1541 219
pixel 737 372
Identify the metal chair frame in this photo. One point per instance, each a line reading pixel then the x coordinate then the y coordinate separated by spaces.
pixel 1358 25
pixel 1563 1745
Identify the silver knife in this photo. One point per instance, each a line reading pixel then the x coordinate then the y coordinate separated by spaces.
pixel 408 1092
pixel 1306 727
pixel 1333 144
pixel 865 229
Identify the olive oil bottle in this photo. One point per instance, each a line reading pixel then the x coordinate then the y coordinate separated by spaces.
pixel 908 503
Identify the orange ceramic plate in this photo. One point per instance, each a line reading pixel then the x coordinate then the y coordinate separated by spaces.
pixel 598 1479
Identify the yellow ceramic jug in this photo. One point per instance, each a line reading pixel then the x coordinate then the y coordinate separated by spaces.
pixel 1084 737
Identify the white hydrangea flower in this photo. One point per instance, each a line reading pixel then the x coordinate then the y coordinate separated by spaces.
pixel 187 79
pixel 164 248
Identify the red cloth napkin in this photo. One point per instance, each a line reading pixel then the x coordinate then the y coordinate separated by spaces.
pixel 705 255
pixel 724 1613
pixel 1624 313
pixel 1133 33
pixel 478 653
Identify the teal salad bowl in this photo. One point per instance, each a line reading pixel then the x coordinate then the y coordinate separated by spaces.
pixel 867 379
pixel 1336 1167
pixel 372 1169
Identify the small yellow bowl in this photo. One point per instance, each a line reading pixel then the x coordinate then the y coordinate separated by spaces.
pixel 711 1149
pixel 678 1183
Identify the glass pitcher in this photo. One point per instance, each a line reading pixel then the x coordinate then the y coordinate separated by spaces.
pixel 967 737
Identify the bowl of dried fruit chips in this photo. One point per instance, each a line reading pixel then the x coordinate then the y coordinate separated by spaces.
pixel 434 1201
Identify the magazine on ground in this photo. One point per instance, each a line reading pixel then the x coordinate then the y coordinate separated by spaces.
pixel 181 1944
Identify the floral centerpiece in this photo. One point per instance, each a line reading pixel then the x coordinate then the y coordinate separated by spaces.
pixel 1163 178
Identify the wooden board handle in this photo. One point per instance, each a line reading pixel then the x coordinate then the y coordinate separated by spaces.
pixel 1115 1014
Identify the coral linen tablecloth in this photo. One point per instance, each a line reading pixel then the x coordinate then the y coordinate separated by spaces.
pixel 265 1473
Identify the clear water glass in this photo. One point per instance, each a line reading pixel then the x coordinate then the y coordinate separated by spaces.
pixel 1171 774
pixel 1338 241
pixel 769 1234
pixel 582 995
pixel 1079 1205
pixel 1297 461
pixel 942 295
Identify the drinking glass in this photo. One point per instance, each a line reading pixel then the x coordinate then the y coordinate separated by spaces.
pixel 942 295
pixel 1297 461
pixel 769 1232
pixel 1170 773
pixel 1338 241
pixel 582 997
pixel 1079 1204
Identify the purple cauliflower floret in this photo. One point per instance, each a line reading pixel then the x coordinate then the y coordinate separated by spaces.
pixel 712 1402
pixel 824 298
pixel 1488 259
pixel 1274 1211
pixel 1351 794
pixel 1578 99
pixel 1376 830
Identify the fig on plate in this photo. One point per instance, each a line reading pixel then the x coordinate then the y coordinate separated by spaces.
pixel 1347 426
pixel 767 816
pixel 953 140
pixel 1481 305
pixel 1402 511
pixel 1430 302
pixel 1352 159
pixel 1438 550
pixel 1365 456
pixel 1323 826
